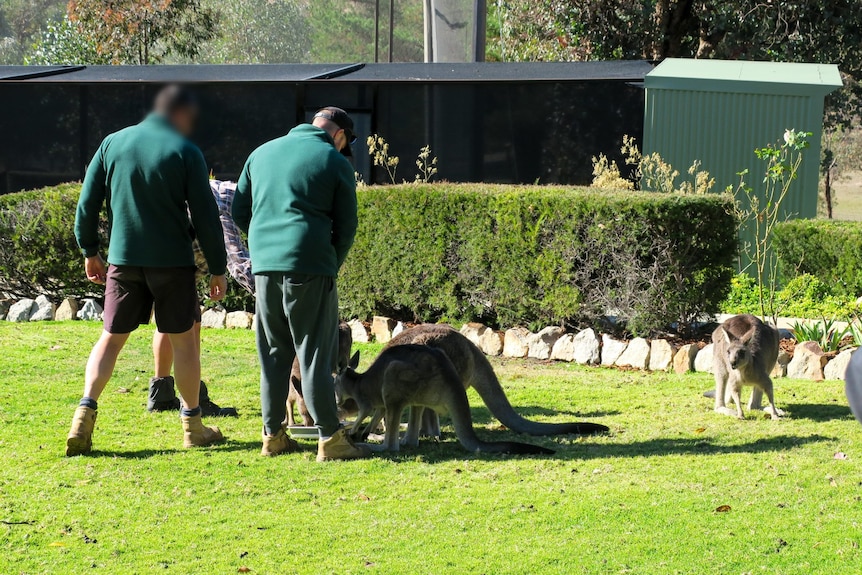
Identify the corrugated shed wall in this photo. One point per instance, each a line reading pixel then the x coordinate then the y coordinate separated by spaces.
pixel 723 129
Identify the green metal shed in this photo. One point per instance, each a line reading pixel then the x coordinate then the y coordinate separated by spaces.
pixel 719 111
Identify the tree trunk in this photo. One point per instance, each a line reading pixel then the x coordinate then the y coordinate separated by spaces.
pixel 827 192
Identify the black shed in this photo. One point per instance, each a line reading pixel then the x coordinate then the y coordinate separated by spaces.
pixel 491 122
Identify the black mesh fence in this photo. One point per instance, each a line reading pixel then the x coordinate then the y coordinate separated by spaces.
pixel 506 129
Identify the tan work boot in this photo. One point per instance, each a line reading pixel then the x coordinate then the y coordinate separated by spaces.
pixel 278 444
pixel 197 434
pixel 340 446
pixel 80 438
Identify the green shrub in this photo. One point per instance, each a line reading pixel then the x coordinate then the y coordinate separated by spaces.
pixel 804 296
pixel 534 255
pixel 504 255
pixel 38 253
pixel 828 250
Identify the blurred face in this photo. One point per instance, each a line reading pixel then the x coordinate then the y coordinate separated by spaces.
pixel 184 120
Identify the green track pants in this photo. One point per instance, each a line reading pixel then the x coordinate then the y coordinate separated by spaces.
pixel 297 316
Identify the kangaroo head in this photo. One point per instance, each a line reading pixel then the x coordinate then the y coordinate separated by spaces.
pixel 738 351
pixel 346 380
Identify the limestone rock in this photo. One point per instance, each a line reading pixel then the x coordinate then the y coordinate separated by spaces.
pixel 44 311
pixel 5 304
pixel 612 349
pixel 90 311
pixel 381 328
pixel 683 359
pixel 239 320
pixel 836 368
pixel 636 354
pixel 485 338
pixel 808 361
pixel 588 347
pixel 214 318
pixel 472 330
pixel 540 344
pixel 399 327
pixel 515 342
pixel 661 354
pixel 358 331
pixel 68 310
pixel 704 361
pixel 564 348
pixel 780 369
pixel 21 310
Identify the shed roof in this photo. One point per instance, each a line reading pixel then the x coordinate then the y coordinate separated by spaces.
pixel 744 76
pixel 629 71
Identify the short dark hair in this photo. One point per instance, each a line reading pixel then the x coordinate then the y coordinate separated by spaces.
pixel 174 97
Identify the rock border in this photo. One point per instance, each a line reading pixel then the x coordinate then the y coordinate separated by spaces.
pixel 586 347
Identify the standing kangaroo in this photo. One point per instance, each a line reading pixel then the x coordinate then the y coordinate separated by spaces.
pixel 294 395
pixel 744 353
pixel 474 369
pixel 408 375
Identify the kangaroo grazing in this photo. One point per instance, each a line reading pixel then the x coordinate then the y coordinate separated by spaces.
pixel 474 369
pixel 294 395
pixel 408 375
pixel 744 353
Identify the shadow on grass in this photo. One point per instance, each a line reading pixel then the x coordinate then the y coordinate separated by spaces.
pixel 818 411
pixel 228 446
pixel 482 416
pixel 449 449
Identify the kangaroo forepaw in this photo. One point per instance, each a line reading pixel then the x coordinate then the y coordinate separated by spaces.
pixel 774 412
pixel 726 411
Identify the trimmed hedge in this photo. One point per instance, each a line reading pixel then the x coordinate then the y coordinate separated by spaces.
pixel 38 253
pixel 509 255
pixel 503 255
pixel 826 249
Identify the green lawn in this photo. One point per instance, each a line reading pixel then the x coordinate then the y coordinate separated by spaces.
pixel 642 500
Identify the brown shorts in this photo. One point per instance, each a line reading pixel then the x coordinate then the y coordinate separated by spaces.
pixel 132 293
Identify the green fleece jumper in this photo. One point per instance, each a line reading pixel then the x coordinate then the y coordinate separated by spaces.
pixel 296 199
pixel 152 178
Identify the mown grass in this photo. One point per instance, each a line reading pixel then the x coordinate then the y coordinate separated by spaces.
pixel 641 500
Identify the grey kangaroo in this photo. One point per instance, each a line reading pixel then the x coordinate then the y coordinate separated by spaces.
pixel 474 369
pixel 408 375
pixel 744 353
pixel 294 395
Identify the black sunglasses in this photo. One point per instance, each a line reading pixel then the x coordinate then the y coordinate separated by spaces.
pixel 351 137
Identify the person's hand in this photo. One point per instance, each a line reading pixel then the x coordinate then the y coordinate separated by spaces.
pixel 94 267
pixel 218 287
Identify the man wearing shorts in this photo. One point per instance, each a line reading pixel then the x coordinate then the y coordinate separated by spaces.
pixel 152 178
pixel 296 198
pixel 162 394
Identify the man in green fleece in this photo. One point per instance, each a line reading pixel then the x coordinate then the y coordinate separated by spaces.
pixel 151 177
pixel 296 199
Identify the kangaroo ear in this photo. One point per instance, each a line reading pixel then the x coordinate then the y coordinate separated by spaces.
pixel 747 337
pixel 727 337
pixel 354 361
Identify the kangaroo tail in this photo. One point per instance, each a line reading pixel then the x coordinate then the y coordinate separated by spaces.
pixel 489 389
pixel 459 410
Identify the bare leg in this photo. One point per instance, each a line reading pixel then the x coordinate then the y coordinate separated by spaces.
pixel 163 351
pixel 187 367
pixel 163 354
pixel 102 361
